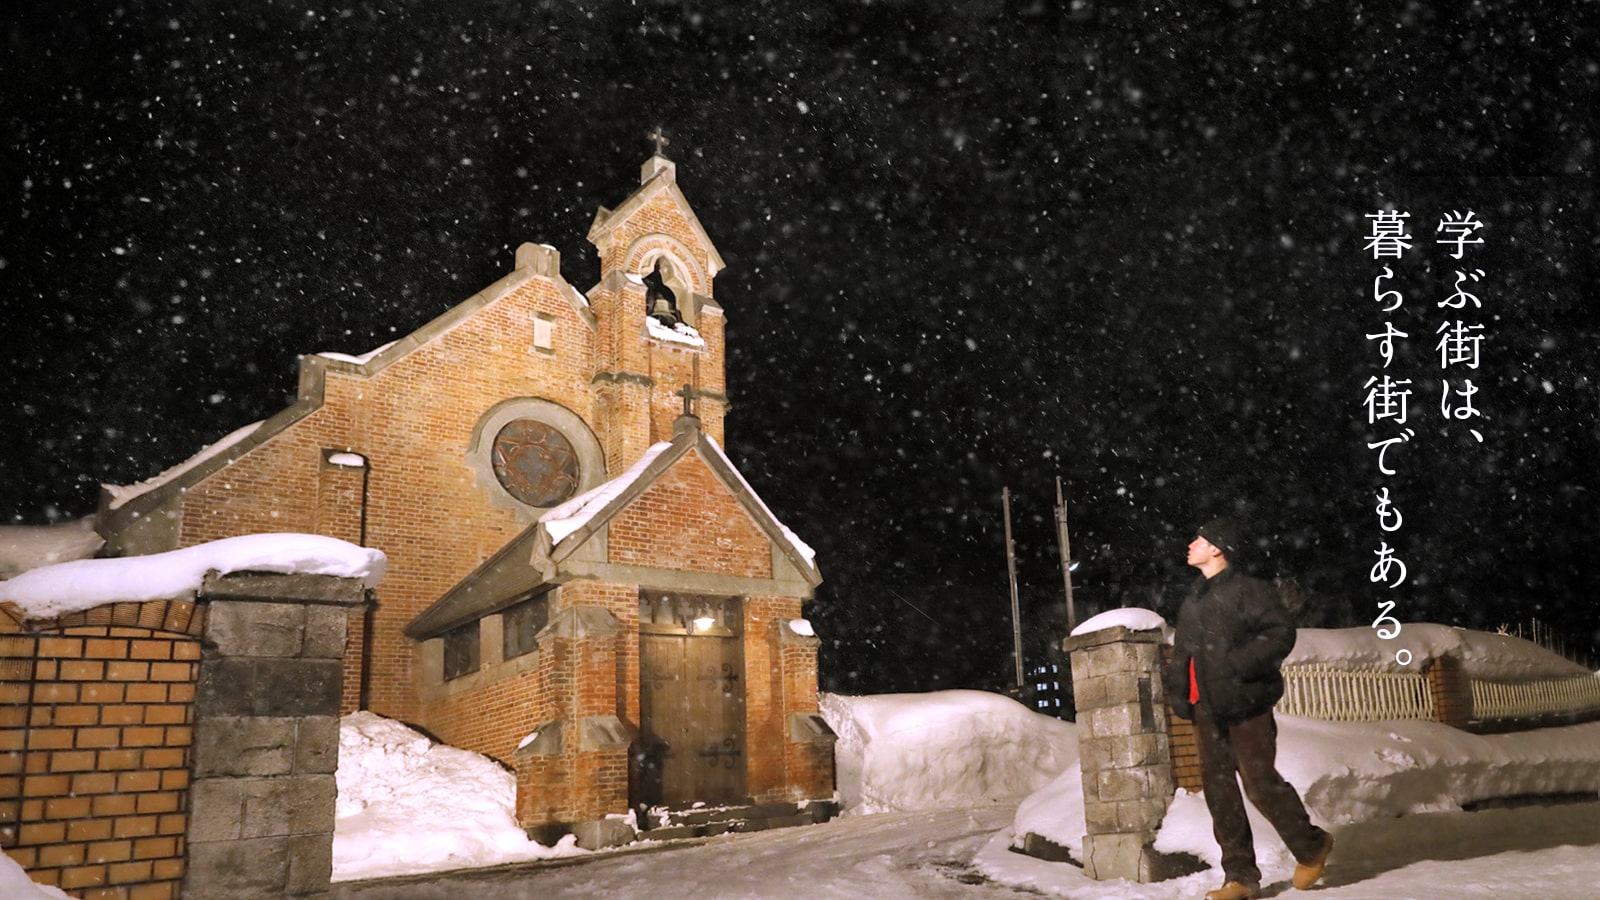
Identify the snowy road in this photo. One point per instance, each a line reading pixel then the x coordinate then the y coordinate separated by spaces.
pixel 1548 852
pixel 885 857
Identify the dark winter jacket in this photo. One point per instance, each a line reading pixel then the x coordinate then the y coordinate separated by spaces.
pixel 1237 632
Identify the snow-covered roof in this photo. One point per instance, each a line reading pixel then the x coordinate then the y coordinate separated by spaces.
pixel 578 511
pixel 535 558
pixel 120 494
pixel 610 497
pixel 361 360
pixel 116 499
pixel 25 547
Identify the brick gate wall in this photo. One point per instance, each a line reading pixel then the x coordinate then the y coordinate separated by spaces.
pixel 116 769
pixel 97 709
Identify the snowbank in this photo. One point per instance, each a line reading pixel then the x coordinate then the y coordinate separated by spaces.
pixel 408 805
pixel 16 885
pixel 1496 657
pixel 72 586
pixel 1356 772
pixel 1351 773
pixel 905 752
pixel 24 547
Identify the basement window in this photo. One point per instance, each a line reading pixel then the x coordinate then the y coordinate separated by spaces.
pixel 522 622
pixel 461 650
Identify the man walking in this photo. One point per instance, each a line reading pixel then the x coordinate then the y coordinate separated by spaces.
pixel 1231 639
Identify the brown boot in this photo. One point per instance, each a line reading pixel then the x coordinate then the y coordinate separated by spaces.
pixel 1307 874
pixel 1235 890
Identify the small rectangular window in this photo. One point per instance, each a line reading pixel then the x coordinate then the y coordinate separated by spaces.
pixel 522 622
pixel 461 651
pixel 544 332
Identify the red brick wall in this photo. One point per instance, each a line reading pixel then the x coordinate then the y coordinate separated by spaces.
pixel 661 215
pixel 571 679
pixel 413 421
pixel 809 766
pixel 1181 741
pixel 577 784
pixel 1185 753
pixel 766 728
pixel 1452 693
pixel 689 521
pixel 493 718
pixel 590 678
pixel 94 743
pixel 782 769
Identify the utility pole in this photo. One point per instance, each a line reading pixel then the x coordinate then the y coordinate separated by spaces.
pixel 1066 554
pixel 1011 570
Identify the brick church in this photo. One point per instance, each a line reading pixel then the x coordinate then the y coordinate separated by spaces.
pixel 581 585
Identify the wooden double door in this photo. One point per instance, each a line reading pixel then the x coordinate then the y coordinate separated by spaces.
pixel 691 745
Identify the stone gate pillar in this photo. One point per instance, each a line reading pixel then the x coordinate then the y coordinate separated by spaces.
pixel 1123 749
pixel 266 743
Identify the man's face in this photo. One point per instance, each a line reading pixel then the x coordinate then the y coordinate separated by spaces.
pixel 1202 551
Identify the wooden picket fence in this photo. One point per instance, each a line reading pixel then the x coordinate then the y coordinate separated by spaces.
pixel 1355 695
pixel 1529 699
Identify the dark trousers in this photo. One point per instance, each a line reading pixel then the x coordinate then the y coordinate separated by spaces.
pixel 1248 749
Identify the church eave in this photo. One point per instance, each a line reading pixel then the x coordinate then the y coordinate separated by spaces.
pixel 686 440
pixel 500 581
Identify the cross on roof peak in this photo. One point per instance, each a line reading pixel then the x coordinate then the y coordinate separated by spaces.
pixel 689 395
pixel 660 139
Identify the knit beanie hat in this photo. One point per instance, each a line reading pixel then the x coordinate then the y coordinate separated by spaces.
pixel 1223 533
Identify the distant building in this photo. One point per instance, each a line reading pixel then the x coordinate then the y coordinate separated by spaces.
pixel 1048 688
pixel 580 583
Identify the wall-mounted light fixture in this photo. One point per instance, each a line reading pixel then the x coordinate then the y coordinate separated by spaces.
pixel 704 621
pixel 347 460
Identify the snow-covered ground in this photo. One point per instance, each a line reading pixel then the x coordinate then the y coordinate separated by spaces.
pixel 1390 792
pixel 937 787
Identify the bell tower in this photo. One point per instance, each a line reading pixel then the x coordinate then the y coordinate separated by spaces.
pixel 660 326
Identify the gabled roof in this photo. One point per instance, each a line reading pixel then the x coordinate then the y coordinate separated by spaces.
pixel 662 178
pixel 123 505
pixel 541 556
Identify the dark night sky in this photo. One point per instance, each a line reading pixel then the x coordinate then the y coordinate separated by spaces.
pixel 969 246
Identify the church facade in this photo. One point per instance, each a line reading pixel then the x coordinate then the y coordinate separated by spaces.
pixel 581 585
